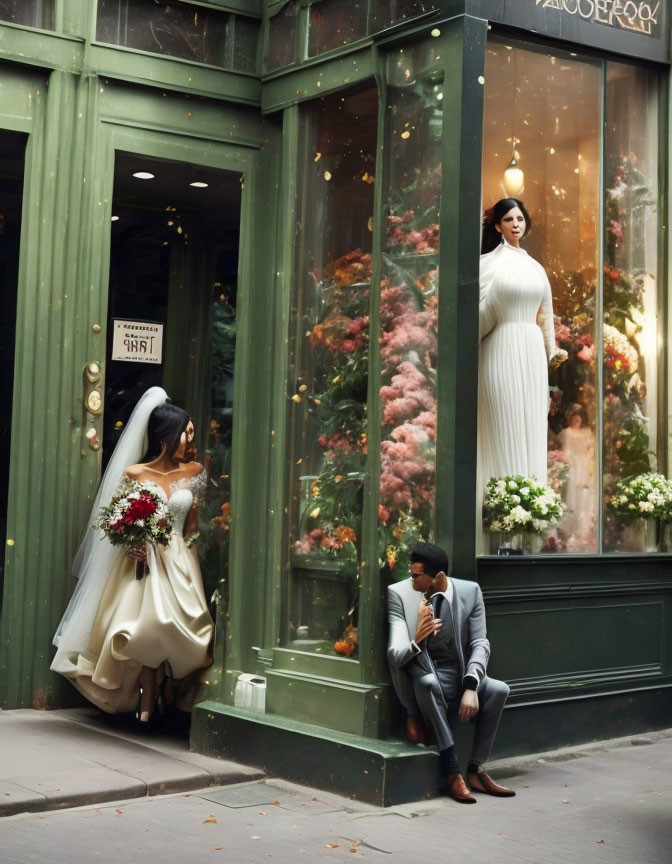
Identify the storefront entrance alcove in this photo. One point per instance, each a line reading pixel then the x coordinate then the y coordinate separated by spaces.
pixel 172 315
pixel 12 149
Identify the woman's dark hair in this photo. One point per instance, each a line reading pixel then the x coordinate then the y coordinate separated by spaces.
pixel 433 559
pixel 165 426
pixel 491 237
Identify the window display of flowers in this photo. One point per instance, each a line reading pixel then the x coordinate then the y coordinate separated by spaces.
pixel 647 496
pixel 558 470
pixel 412 233
pixel 520 505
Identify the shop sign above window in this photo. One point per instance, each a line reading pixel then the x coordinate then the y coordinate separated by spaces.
pixel 632 15
pixel 637 28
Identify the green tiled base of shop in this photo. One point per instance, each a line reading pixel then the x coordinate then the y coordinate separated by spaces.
pixel 383 773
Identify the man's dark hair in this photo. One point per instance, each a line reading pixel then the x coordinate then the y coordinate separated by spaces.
pixel 433 559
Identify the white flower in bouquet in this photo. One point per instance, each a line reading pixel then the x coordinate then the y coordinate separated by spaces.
pixel 517 504
pixel 648 496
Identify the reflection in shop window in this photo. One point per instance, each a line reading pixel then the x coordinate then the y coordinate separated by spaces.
pixel 336 22
pixel 30 13
pixel 282 38
pixel 546 110
pixel 409 307
pixel 329 369
pixel 188 32
pixel 630 361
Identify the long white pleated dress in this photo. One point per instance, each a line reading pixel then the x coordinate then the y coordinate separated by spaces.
pixel 517 339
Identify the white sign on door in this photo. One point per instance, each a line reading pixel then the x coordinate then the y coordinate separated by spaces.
pixel 137 341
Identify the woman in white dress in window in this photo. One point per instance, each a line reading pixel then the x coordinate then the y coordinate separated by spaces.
pixel 517 343
pixel 121 636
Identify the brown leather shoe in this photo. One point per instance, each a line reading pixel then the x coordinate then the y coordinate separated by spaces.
pixel 459 790
pixel 415 729
pixel 482 782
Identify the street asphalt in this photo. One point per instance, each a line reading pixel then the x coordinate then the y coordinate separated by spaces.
pixel 144 798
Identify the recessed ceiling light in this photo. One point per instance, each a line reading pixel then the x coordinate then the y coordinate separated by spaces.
pixel 114 219
pixel 143 175
pixel 199 184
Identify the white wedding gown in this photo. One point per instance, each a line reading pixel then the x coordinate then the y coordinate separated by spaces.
pixel 517 339
pixel 162 617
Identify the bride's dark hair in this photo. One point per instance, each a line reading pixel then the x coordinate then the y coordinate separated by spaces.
pixel 165 426
pixel 491 237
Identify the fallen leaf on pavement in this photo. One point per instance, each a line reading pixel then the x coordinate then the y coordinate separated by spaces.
pixel 209 819
pixel 332 845
pixel 353 849
pixel 600 842
pixel 565 801
pixel 262 813
pixel 120 812
pixel 525 785
pixel 255 837
pixel 276 803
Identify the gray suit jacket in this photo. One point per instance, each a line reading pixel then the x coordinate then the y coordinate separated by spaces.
pixel 471 640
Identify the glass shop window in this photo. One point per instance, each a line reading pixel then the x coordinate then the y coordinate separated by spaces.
pixel 554 125
pixel 282 37
pixel 329 369
pixel 386 13
pixel 334 23
pixel 409 305
pixel 182 30
pixel 631 440
pixel 30 13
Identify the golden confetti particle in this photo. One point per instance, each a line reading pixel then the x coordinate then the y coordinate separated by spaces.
pixel 10 542
pixel 327 175
pixel 318 156
pixel 296 398
pixel 406 134
pixel 179 229
pixel 481 79
pixel 189 114
pixel 369 224
pixel 315 512
pixel 435 32
pixel 317 401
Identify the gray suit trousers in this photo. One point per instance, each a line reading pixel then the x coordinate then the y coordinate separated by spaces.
pixel 434 693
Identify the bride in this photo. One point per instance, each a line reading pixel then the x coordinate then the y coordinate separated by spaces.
pixel 121 637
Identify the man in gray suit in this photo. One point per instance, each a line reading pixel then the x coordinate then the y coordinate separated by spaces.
pixel 438 653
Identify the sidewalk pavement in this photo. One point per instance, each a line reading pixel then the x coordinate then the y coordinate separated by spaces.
pixel 606 803
pixel 55 759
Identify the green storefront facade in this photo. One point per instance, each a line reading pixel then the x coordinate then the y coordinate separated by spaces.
pixel 337 142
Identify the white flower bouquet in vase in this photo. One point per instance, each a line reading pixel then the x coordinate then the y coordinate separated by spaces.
pixel 646 497
pixel 520 508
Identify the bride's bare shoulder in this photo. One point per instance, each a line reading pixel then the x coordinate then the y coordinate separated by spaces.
pixel 193 468
pixel 134 471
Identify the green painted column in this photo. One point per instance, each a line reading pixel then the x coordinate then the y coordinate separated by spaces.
pixel 462 45
pixel 53 472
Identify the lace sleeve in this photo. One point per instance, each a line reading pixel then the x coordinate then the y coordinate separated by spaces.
pixel 545 318
pixel 487 315
pixel 196 485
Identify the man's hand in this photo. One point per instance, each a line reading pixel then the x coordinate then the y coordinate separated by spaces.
pixel 427 623
pixel 468 706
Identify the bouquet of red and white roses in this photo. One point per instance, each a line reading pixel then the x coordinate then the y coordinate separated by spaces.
pixel 136 515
